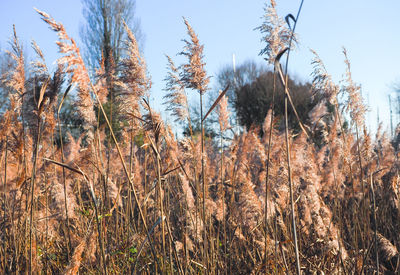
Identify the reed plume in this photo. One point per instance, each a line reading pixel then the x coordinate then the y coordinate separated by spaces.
pixel 355 102
pixel 176 99
pixel 193 73
pixel 76 68
pixel 275 32
pixel 322 80
pixel 134 80
pixel 15 79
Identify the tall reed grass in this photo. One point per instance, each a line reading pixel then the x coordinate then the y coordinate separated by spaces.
pixel 322 200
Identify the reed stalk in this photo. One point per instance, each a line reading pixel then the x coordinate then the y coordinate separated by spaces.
pixel 32 204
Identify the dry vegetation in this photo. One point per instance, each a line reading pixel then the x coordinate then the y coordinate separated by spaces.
pixel 150 203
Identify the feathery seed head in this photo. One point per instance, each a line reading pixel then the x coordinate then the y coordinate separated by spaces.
pixel 354 102
pixel 275 33
pixel 176 98
pixel 194 75
pixel 16 78
pixel 134 80
pixel 75 67
pixel 322 81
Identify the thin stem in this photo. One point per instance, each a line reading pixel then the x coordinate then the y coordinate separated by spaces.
pixel 360 159
pixel 292 36
pixel 131 153
pixel 5 200
pixel 375 225
pixel 223 197
pixel 47 227
pixel 268 170
pixel 36 153
pixel 204 185
pixel 65 187
pixel 160 190
pixel 291 187
pixel 287 143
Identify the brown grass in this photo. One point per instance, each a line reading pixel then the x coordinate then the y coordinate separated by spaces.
pixel 192 205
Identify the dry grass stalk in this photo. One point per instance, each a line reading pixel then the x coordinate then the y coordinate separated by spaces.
pixel 195 77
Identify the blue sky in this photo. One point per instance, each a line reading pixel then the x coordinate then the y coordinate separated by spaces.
pixel 368 29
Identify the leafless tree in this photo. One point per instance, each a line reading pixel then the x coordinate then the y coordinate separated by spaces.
pixel 103 32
